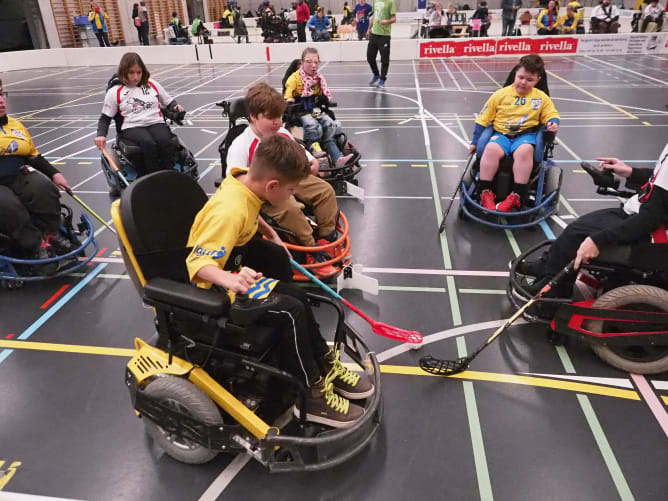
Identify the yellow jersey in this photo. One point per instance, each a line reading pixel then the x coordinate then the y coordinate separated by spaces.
pixel 294 86
pixel 228 220
pixel 16 147
pixel 511 112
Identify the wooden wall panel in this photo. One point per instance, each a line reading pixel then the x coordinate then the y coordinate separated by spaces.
pixel 160 14
pixel 65 10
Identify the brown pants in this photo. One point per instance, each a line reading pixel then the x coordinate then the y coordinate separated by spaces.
pixel 315 192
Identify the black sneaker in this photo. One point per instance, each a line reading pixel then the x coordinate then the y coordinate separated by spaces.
pixel 61 244
pixel 347 383
pixel 531 268
pixel 44 251
pixel 324 406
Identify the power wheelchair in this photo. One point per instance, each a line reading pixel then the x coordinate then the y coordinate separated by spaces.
pixel 15 270
pixel 117 164
pixel 619 305
pixel 209 383
pixel 545 181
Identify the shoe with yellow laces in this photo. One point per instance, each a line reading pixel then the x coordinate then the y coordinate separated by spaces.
pixel 347 383
pixel 326 407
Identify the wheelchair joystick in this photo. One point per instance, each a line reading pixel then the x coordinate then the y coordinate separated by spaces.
pixel 246 311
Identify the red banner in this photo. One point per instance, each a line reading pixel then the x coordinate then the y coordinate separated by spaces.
pixel 489 46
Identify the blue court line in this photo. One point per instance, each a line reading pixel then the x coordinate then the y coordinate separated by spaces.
pixel 207 170
pixel 547 230
pixel 54 309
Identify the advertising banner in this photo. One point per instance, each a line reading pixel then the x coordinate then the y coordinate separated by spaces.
pixel 471 47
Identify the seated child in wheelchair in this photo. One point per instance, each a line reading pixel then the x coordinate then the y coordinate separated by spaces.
pixel 516 112
pixel 224 235
pixel 265 108
pixel 305 85
pixel 643 218
pixel 138 100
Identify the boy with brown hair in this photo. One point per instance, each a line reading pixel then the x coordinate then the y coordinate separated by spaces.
pixel 223 238
pixel 265 107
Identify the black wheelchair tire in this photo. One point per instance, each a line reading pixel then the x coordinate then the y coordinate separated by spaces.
pixel 623 298
pixel 553 179
pixel 188 399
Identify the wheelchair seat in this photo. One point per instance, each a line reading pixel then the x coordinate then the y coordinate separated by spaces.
pixel 153 233
pixel 646 256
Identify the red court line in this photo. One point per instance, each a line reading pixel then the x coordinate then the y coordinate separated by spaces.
pixel 9 336
pixel 55 296
pixel 98 255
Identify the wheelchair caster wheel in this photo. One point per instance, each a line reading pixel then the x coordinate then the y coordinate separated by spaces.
pixel 554 338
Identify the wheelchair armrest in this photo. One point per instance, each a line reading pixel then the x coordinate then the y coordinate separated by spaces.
pixel 173 293
pixel 603 179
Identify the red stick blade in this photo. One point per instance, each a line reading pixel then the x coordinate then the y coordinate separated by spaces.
pixel 396 333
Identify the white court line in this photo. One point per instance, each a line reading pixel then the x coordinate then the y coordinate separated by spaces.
pixel 485 72
pixel 452 76
pixel 647 77
pixel 209 131
pixel 559 221
pixel 71 142
pixel 225 477
pixel 405 121
pixel 426 271
pixel 86 180
pixel 437 75
pixel 473 87
pixel 370 130
pixel 57 73
pixel 58 138
pixel 211 80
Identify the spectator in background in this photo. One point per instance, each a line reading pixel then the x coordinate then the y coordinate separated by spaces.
pixel 653 14
pixel 362 12
pixel 509 10
pixel 605 18
pixel 143 18
pixel 240 29
pixel 179 31
pixel 568 22
pixel 383 17
pixel 303 15
pixel 483 14
pixel 547 20
pixel 436 28
pixel 347 14
pixel 227 18
pixel 137 22
pixel 319 26
pixel 99 20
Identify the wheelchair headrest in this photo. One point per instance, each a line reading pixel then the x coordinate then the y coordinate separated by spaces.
pixel 237 109
pixel 157 212
pixel 294 66
pixel 114 80
pixel 541 85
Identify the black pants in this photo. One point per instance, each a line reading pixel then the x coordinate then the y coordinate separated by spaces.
pixel 378 43
pixel 564 248
pixel 29 209
pixel 143 33
pixel 302 344
pixel 301 32
pixel 157 147
pixel 508 26
pixel 103 38
pixel 545 31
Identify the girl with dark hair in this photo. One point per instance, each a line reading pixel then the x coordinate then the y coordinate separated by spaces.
pixel 138 100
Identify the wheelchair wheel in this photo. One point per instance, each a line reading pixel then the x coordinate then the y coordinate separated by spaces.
pixel 185 397
pixel 638 359
pixel 553 178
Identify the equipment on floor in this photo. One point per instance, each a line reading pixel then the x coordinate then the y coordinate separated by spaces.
pixel 440 367
pixel 210 383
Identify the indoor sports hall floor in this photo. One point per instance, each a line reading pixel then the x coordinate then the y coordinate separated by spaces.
pixel 577 429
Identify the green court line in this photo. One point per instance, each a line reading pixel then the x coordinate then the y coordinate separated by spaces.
pixel 483 291
pixel 479 456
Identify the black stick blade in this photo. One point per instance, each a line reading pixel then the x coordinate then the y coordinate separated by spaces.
pixel 440 367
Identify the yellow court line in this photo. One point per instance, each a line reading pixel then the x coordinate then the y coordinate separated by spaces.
pixel 540 382
pixel 646 123
pixel 579 171
pixel 67 348
pixel 600 99
pixel 84 163
pixel 449 166
pixel 58 163
pixel 665 400
pixel 388 165
pixel 522 380
pixel 418 165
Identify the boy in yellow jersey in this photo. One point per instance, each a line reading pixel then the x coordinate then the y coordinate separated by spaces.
pixel 223 238
pixel 517 111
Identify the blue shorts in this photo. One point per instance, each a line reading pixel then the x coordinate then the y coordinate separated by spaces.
pixel 509 145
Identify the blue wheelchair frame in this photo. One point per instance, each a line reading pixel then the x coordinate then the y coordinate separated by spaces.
pixel 8 270
pixel 537 214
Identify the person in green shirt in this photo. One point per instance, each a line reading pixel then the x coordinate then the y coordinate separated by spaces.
pixel 383 16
